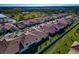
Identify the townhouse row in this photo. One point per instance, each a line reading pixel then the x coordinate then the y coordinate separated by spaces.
pixel 9 25
pixel 26 39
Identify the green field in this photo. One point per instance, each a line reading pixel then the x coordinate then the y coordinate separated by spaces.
pixel 63 45
pixel 26 16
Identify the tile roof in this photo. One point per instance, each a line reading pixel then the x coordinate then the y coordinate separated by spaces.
pixel 28 37
pixel 20 24
pixel 74 48
pixel 49 28
pixel 37 32
pixel 8 26
pixel 63 21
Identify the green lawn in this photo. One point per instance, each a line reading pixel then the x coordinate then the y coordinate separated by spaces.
pixel 47 42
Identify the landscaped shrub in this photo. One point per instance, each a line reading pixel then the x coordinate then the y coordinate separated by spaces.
pixel 3 31
pixel 77 30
